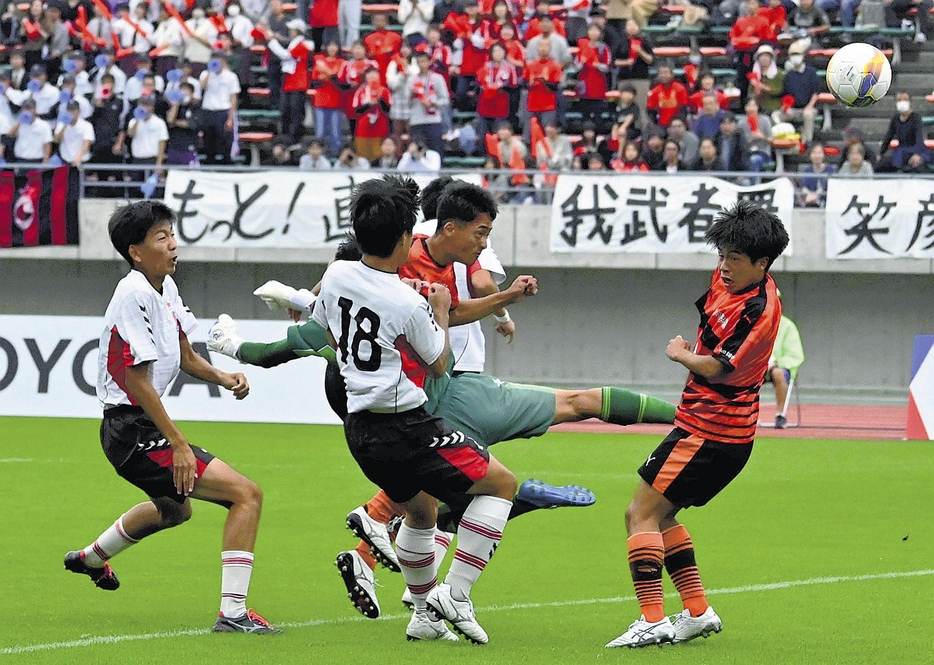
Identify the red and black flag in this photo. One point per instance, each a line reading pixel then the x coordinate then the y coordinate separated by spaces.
pixel 39 207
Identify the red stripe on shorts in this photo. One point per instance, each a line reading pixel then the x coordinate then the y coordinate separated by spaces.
pixel 164 459
pixel 466 460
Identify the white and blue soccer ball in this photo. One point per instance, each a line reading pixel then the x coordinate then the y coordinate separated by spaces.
pixel 859 75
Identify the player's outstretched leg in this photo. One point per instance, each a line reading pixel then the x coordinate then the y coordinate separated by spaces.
pixel 369 523
pixel 357 574
pixel 243 498
pixel 698 619
pixel 478 535
pixel 416 548
pixel 141 520
pixel 618 406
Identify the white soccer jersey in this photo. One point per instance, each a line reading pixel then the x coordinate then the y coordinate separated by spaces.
pixel 141 325
pixel 467 341
pixel 373 315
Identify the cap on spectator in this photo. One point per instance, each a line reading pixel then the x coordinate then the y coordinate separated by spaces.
pixel 74 55
pixel 797 48
pixel 852 132
pixel 598 11
pixel 628 87
pixel 109 50
pixel 28 104
pixel 36 70
pixel 421 52
pixel 657 131
pixel 68 78
pixel 765 48
pixel 148 100
pixel 588 126
pixel 217 53
pixel 55 4
pixel 143 58
pixel 729 116
pixel 296 24
pixel 73 105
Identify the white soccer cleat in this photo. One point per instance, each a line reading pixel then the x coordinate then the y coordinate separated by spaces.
pixel 360 583
pixel 424 627
pixel 642 634
pixel 687 627
pixel 407 599
pixel 459 613
pixel 376 535
pixel 223 338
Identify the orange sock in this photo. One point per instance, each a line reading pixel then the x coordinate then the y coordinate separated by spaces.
pixel 382 509
pixel 646 552
pixel 364 551
pixel 682 568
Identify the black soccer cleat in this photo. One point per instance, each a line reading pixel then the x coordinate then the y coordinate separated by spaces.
pixel 103 578
pixel 251 622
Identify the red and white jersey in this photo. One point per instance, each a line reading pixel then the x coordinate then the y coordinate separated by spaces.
pixel 375 318
pixel 467 341
pixel 141 325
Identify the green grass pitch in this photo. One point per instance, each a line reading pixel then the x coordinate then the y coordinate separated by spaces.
pixel 838 518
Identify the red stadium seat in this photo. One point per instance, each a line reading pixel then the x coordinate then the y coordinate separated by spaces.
pixel 255 140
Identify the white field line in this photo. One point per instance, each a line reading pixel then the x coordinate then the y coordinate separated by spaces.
pixel 15 459
pixel 751 588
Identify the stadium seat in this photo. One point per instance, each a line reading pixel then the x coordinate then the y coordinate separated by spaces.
pixel 255 140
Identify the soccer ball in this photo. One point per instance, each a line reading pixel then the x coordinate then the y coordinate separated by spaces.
pixel 859 75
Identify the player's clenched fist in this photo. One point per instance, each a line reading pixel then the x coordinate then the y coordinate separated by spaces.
pixel 439 297
pixel 677 347
pixel 237 384
pixel 524 286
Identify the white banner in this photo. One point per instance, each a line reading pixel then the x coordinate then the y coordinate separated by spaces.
pixel 267 208
pixel 649 213
pixel 879 219
pixel 48 367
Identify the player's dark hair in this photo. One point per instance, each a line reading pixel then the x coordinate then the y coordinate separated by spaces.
pixel 130 224
pixel 431 196
pixel 463 202
pixel 382 210
pixel 349 249
pixel 750 230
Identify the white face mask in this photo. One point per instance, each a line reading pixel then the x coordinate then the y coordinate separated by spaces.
pixel 796 60
pixel 903 106
pixel 198 14
pixel 233 10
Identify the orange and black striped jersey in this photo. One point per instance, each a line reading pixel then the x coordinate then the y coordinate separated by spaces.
pixel 421 266
pixel 738 330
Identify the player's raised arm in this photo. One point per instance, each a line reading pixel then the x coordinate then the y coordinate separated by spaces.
pixel 198 367
pixel 474 309
pixel 679 350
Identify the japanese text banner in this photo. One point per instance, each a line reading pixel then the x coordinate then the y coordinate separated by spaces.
pixel 650 213
pixel 879 219
pixel 267 208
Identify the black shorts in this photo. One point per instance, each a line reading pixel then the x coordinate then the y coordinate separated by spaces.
pixel 410 452
pixel 141 454
pixel 690 470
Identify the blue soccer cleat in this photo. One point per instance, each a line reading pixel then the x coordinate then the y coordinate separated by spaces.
pixel 542 495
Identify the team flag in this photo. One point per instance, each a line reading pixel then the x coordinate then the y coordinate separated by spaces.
pixel 39 207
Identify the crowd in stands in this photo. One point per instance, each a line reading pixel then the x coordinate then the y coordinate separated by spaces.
pixel 89 81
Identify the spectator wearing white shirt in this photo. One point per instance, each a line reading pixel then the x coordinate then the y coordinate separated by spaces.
pixel 46 96
pixel 151 9
pixel 134 84
pixel 112 69
pixel 133 31
pixel 429 94
pixel 33 135
pixel 69 93
pixel 74 137
pixel 418 158
pixel 149 134
pixel 185 67
pixel 315 159
pixel 240 29
pixel 169 43
pixel 74 64
pixel 219 109
pixel 415 16
pixel 200 41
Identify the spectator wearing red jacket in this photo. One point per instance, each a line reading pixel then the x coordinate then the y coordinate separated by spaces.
pixel 745 36
pixel 593 61
pixel 371 104
pixel 491 26
pixel 534 27
pixel 329 114
pixel 776 15
pixel 381 45
pixel 707 85
pixel 543 76
pixel 630 161
pixel 668 97
pixel 515 51
pixel 440 53
pixel 294 78
pixel 496 79
pixel 469 54
pixel 351 77
pixel 323 21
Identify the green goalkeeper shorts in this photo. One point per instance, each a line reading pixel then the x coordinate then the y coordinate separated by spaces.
pixel 490 410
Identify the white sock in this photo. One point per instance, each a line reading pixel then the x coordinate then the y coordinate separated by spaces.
pixel 416 551
pixel 478 535
pixel 443 541
pixel 237 566
pixel 109 544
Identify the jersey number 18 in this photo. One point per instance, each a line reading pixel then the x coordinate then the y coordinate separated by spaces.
pixel 361 335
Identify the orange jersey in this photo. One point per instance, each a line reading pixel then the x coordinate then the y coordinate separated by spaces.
pixel 421 266
pixel 739 331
